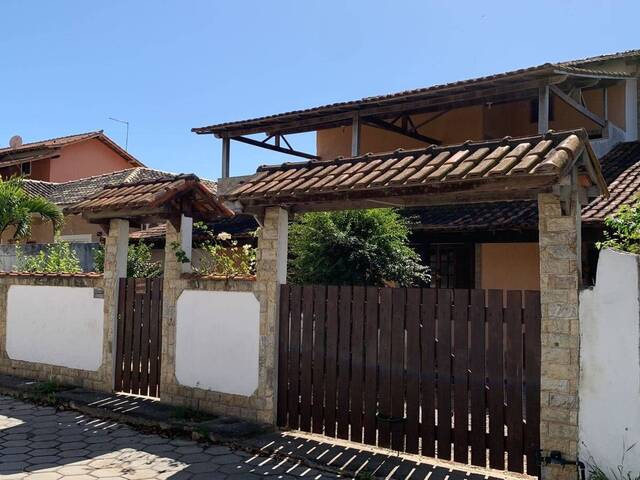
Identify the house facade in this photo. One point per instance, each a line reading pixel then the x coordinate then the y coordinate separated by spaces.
pixel 492 244
pixel 63 159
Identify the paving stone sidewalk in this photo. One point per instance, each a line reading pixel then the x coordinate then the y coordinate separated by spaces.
pixel 40 443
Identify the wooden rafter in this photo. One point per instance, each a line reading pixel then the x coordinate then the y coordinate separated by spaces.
pixel 578 106
pixel 276 148
pixel 402 130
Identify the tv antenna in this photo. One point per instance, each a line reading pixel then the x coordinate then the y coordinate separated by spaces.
pixel 126 141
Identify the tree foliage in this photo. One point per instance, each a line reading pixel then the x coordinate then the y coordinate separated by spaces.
pixel 17 209
pixel 356 247
pixel 139 262
pixel 55 258
pixel 622 229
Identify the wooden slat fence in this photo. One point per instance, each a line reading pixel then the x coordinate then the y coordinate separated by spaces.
pixel 447 373
pixel 138 336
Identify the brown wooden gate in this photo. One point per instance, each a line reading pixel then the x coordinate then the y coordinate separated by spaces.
pixel 447 373
pixel 138 336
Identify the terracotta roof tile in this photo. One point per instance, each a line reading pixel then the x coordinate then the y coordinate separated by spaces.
pixel 33 151
pixel 538 156
pixel 149 195
pixel 620 168
pixel 581 66
pixel 68 193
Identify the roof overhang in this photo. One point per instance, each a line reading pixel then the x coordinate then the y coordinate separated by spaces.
pixel 472 172
pixel 155 200
pixel 510 86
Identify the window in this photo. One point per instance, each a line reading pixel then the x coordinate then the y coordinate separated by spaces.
pixel 25 168
pixel 451 265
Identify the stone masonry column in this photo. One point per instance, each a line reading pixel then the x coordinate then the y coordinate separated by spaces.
pixel 115 267
pixel 271 272
pixel 559 243
pixel 170 286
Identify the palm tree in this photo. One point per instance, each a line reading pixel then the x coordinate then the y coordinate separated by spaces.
pixel 17 209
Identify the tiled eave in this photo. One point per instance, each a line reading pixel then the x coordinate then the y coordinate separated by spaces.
pixel 505 169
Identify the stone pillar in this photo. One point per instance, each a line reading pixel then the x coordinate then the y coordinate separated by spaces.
pixel 115 267
pixel 170 291
pixel 271 272
pixel 559 240
pixel 186 242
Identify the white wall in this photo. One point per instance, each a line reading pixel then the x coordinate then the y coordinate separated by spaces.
pixel 610 364
pixel 217 340
pixel 55 325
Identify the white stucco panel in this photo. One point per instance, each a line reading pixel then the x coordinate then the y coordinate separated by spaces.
pixel 60 326
pixel 609 385
pixel 217 340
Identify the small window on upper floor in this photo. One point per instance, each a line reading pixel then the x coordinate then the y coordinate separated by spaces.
pixel 25 169
pixel 533 110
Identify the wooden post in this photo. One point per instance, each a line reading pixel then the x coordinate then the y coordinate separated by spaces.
pixel 226 151
pixel 186 232
pixel 543 109
pixel 631 109
pixel 355 135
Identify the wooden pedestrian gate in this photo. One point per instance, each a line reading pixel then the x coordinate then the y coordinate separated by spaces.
pixel 447 373
pixel 139 330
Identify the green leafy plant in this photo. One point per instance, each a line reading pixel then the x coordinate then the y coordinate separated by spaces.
pixel 139 262
pixel 622 229
pixel 222 255
pixel 180 254
pixel 58 257
pixel 18 208
pixel 356 247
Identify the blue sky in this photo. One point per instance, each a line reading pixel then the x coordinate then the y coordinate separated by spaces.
pixel 168 66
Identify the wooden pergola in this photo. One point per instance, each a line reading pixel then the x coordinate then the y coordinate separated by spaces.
pixel 395 112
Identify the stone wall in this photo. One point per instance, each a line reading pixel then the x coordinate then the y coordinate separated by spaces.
pixel 559 282
pixel 271 271
pixel 96 380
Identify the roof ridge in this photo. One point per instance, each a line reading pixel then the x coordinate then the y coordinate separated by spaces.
pixel 52 139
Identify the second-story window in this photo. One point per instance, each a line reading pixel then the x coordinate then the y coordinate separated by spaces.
pixel 25 169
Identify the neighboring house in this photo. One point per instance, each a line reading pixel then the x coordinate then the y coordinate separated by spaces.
pixel 67 158
pixel 485 245
pixel 65 194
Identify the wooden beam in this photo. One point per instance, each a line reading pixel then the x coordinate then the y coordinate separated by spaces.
pixel 374 122
pixel 390 107
pixel 275 148
pixel 226 157
pixel 543 109
pixel 355 135
pixel 578 106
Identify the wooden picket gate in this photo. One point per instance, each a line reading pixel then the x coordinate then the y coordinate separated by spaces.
pixel 139 330
pixel 447 373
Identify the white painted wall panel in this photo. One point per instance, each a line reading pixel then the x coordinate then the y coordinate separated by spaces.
pixel 609 386
pixel 60 326
pixel 217 340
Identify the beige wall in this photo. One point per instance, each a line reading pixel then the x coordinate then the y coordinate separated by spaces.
pixel 509 266
pixel 42 232
pixel 474 123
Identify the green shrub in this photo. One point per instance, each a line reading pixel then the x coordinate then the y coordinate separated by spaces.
pixel 139 263
pixel 622 229
pixel 355 247
pixel 55 258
